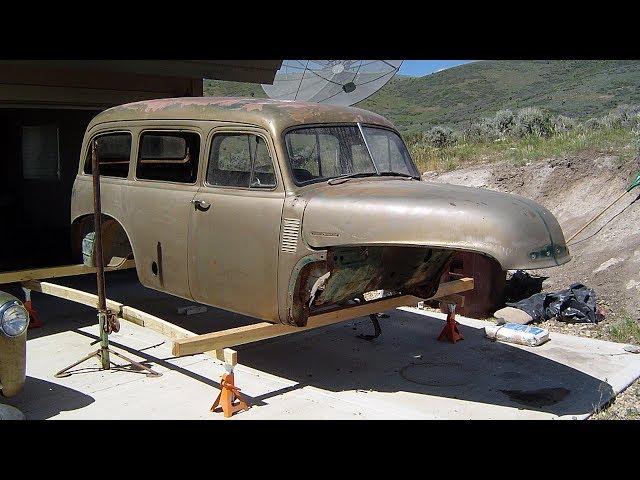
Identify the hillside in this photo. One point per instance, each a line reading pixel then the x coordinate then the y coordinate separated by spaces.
pixel 579 89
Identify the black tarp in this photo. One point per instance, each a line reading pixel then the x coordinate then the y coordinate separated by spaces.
pixel 577 304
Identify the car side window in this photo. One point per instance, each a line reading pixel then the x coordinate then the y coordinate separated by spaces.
pixel 240 160
pixel 168 156
pixel 114 152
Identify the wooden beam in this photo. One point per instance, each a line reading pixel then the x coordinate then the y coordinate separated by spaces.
pixel 56 272
pixel 174 332
pixel 264 330
pixel 154 323
pixel 71 294
pixel 129 314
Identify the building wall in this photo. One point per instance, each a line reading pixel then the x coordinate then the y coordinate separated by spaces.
pixel 35 212
pixel 74 88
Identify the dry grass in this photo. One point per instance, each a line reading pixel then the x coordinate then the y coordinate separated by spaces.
pixel 625 329
pixel 613 141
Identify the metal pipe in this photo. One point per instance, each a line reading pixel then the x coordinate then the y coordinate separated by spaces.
pixel 97 223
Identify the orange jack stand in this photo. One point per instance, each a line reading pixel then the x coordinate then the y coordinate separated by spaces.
pixel 34 320
pixel 450 331
pixel 228 395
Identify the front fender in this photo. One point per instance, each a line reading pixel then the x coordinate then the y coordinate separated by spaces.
pixel 513 230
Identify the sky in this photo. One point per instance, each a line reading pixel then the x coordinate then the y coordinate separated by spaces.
pixel 418 68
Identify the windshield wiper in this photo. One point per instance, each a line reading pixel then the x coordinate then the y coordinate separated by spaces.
pixel 347 176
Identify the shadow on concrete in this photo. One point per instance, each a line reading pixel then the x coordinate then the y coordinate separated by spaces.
pixel 41 399
pixel 406 358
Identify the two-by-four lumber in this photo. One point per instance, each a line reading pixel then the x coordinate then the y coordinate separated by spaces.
pixel 127 313
pixel 173 332
pixel 70 294
pixel 56 272
pixel 264 330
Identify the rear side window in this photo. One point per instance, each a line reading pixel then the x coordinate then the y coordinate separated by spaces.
pixel 169 156
pixel 113 151
pixel 240 160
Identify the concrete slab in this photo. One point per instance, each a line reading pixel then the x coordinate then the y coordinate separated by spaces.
pixel 323 373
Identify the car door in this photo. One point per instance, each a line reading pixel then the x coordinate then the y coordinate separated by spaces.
pixel 159 205
pixel 235 224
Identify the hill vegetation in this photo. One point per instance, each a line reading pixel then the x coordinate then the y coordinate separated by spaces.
pixel 498 110
pixel 467 93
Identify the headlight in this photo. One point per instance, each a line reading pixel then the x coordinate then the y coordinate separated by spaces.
pixel 14 318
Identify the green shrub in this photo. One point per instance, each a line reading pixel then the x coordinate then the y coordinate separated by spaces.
pixel 593 124
pixel 482 131
pixel 562 124
pixel 621 116
pixel 532 122
pixel 504 122
pixel 440 136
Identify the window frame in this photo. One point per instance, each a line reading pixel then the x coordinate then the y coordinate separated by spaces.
pixel 358 125
pixel 384 127
pixel 102 133
pixel 317 125
pixel 58 178
pixel 167 129
pixel 241 131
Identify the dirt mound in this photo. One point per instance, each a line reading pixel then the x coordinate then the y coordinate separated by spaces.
pixel 606 256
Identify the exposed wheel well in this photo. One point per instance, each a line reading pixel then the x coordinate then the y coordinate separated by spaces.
pixel 116 242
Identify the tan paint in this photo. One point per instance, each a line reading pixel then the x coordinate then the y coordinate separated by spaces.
pixel 233 251
pixel 249 251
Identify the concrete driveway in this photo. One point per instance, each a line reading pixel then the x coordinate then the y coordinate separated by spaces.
pixel 323 373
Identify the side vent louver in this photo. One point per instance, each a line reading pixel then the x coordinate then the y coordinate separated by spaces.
pixel 290 230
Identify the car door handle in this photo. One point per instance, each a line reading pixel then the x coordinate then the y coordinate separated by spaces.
pixel 201 205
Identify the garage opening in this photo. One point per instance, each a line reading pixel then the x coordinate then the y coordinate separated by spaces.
pixel 40 153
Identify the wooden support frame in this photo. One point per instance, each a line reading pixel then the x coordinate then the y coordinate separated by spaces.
pixel 130 314
pixel 216 344
pixel 263 330
pixel 56 272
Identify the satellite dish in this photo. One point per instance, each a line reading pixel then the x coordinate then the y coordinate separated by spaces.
pixel 338 82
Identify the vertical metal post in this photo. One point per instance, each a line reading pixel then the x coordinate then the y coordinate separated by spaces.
pixel 97 222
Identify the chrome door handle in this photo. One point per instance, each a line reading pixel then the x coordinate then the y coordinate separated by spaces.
pixel 201 205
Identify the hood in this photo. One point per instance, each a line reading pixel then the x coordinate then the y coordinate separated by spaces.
pixel 516 231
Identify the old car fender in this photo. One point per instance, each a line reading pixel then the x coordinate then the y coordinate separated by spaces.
pixel 516 232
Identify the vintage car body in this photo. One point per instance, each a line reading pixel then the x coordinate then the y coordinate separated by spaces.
pixel 287 241
pixel 14 321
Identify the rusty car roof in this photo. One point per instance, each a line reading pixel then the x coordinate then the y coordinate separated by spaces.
pixel 265 112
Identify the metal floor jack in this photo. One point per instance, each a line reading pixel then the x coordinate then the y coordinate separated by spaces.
pixel 107 321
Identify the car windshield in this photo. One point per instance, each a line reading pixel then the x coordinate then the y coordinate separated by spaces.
pixel 325 152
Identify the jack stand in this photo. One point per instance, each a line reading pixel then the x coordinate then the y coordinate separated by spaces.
pixel 104 351
pixel 228 394
pixel 107 321
pixel 450 331
pixel 377 330
pixel 34 320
